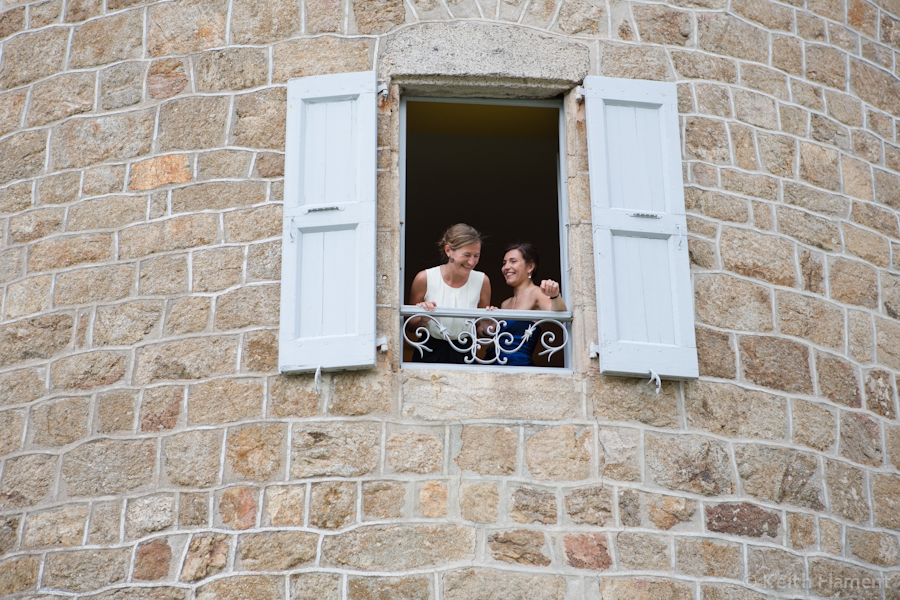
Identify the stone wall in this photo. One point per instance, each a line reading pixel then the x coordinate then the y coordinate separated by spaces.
pixel 150 450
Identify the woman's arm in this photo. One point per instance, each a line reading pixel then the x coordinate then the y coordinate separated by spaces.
pixel 417 291
pixel 484 299
pixel 551 297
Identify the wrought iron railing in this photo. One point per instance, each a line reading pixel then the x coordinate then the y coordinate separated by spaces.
pixel 485 329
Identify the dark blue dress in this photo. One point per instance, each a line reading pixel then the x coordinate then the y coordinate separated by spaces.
pixel 522 356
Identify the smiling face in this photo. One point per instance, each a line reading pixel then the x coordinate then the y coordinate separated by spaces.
pixel 465 258
pixel 515 268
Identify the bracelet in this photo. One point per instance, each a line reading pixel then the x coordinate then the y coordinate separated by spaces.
pixel 556 296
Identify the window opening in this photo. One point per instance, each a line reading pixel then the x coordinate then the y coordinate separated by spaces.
pixel 494 165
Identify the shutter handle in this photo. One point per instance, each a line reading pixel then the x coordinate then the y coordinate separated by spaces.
pixel 322 208
pixel 678 229
pixel 645 215
pixel 655 377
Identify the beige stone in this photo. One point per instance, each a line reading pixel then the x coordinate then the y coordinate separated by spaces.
pixel 243 586
pixel 861 439
pixel 399 547
pixel 827 579
pixel 668 511
pixel 559 453
pixel 810 318
pixel 35 337
pixel 207 555
pixel 285 504
pixel 415 452
pixel 246 306
pixel 259 119
pixel 874 86
pixel 886 500
pixel 847 491
pixel 621 589
pixel 590 506
pixel 260 351
pixel 26 154
pixel 521 546
pixel 706 140
pixel 167 275
pixel 332 505
pixel 828 131
pixel 115 412
pixel 478 502
pixel 708 558
pixel 86 570
pixel 104 213
pixel 809 229
pixel 715 298
pixel 401 588
pixel 126 323
pixel 224 163
pixel 245 400
pixel 378 17
pixel 728 410
pixel 192 123
pixel 106 40
pixel 149 514
pixel 19 387
pixel 780 475
pixel 16 198
pixel 237 508
pixel 616 398
pixel 276 551
pixel 320 56
pixel 715 353
pixel 94 284
pixel 166 78
pixel 27 480
pixel 814 200
pixel 160 408
pixel 861 336
pixel 663 25
pixel 19 65
pixel 194 358
pixel 89 370
pixel 814 425
pixel 61 527
pixel 689 463
pixel 12 21
pixel 231 69
pixel 776 363
pixel 217 196
pixel 694 65
pixel 888 333
pixel 28 297
pixel 775 569
pixel 60 422
pixel 759 110
pixel 873 547
pixel 504 585
pixel 880 393
pixel 191 458
pixel 61 97
pixel 156 172
pixel 433 500
pixel 819 166
pixel 253 223
pixel 105 522
pixel 857 178
pixel 186 26
pixel 215 270
pixel 109 466
pixel 104 179
pixel 293 396
pixel 334 449
pixel 385 500
pixel 530 505
pixel 742 519
pixel 867 245
pixel 644 551
pixel 324 16
pixel 255 452
pixel 152 560
pixel 880 219
pixel 121 85
pixel 831 535
pixel 12 428
pixel 838 380
pixel 359 393
pixel 716 205
pixel 316 586
pixel 760 256
pixel 82 142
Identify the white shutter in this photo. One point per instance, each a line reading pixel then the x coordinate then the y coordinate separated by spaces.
pixel 644 299
pixel 328 246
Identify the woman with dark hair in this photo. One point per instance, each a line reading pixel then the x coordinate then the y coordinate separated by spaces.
pixel 520 263
pixel 454 284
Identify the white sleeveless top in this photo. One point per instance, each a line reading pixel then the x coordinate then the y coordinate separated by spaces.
pixel 445 296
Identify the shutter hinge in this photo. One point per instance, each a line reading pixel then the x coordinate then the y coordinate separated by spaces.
pixel 579 94
pixel 594 350
pixel 655 377
pixel 382 344
pixel 383 90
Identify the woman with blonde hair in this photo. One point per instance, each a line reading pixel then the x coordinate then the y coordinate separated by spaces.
pixel 453 284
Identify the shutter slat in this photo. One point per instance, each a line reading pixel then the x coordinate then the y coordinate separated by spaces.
pixel 328 248
pixel 645 306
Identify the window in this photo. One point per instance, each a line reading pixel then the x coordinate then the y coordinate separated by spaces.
pixel 644 299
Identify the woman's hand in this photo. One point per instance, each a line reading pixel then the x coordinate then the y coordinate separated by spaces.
pixel 427 305
pixel 550 288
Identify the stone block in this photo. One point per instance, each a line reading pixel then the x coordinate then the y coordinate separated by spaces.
pixel 814 425
pixel 32 56
pixel 60 422
pixel 832 579
pixel 315 586
pixel 756 109
pixel 245 400
pixel 152 561
pixel 247 306
pixel 478 502
pixel 386 500
pixel 104 179
pixel 231 69
pixel 828 131
pixel 809 229
pixel 215 270
pixel 207 555
pixel 12 21
pixel 243 586
pixel 775 569
pixel 173 27
pixel 621 589
pixel 12 428
pixel 26 154
pixel 815 320
pixel 19 387
pixel 16 198
pixel 270 164
pixel 873 547
pixel 665 512
pixel 663 25
pixel 60 527
pixel 224 164
pixel 401 588
pixel 88 370
pixel 104 213
pixel 177 233
pixel 28 297
pixel 106 40
pixel 360 393
pixel 860 336
pixel 92 284
pixel 886 500
pixel 61 97
pixel 880 393
pixel 880 219
pixel 259 119
pixel 193 123
pixel 521 546
pixel 759 256
pixel 693 65
pixel 715 353
pixel 847 491
pixel 874 86
pixel 531 505
pixel 332 505
pixel 643 551
pixel 867 245
pixel 861 439
pixel 191 458
pixel 708 558
pixel 218 196
pixel 590 506
pixel 164 276
pixel 448 395
pixel 715 297
pixel 35 337
pixel 433 500
pixel 11 264
pixel 292 396
pixel 716 205
pixel 86 570
pixel 193 510
pixel 814 200
pixel 399 547
pixel 115 412
pixel 237 508
pixel 255 452
pixel 159 171
pixel 160 408
pixel 324 16
pixel 378 17
pixel 83 142
pixel 812 272
pixel 776 363
pixel 149 514
pixel 166 78
pixel 819 166
pixel 801 531
pixel 27 480
pixel 888 340
pixel 253 24
pixel 690 463
pixel 857 177
pixel 109 466
pixel 706 140
pixel 743 519
pixel 276 551
pixel 621 399
pixel 630 508
pixel 253 223
pixel 121 85
pixel 127 323
pixel 334 449
pixel 9 534
pixel 779 475
pixel 415 452
pixel 18 574
pixel 284 505
pixel 502 585
pixel 320 56
pixel 838 380
pixel 826 65
pixel 559 453
pixel 731 411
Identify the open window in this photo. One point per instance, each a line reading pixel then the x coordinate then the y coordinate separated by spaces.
pixel 495 165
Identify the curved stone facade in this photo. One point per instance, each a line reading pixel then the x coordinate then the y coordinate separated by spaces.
pixel 149 449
